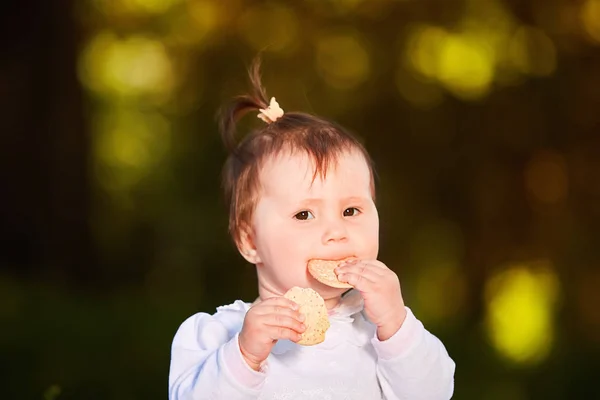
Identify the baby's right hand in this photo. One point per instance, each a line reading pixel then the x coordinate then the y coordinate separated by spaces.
pixel 266 323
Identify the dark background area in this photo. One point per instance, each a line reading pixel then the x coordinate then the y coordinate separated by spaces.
pixel 481 116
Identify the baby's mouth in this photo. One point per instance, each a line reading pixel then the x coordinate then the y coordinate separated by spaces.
pixel 324 272
pixel 334 259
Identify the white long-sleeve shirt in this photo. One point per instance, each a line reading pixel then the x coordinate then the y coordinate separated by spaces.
pixel 351 363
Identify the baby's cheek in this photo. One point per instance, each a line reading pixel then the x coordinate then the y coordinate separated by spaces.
pixel 288 249
pixel 370 240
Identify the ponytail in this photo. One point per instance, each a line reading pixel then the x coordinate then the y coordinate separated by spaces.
pixel 240 105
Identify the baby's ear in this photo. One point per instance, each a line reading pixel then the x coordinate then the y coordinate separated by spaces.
pixel 247 247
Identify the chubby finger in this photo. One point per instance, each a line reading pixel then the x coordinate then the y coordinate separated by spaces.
pixel 280 311
pixel 362 267
pixel 377 264
pixel 370 273
pixel 284 321
pixel 279 333
pixel 371 263
pixel 280 302
pixel 361 282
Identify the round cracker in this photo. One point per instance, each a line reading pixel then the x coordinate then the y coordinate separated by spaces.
pixel 313 307
pixel 323 271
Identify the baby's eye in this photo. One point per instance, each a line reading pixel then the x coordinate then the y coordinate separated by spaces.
pixel 304 215
pixel 351 212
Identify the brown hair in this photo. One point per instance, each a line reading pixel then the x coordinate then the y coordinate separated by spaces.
pixel 322 140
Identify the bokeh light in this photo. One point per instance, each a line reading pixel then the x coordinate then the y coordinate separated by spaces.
pixel 423 49
pixel 198 24
pixel 483 48
pixel 126 67
pixel 342 59
pixel 128 145
pixel 462 63
pixel 590 16
pixel 134 7
pixel 521 303
pixel 150 6
pixel 466 66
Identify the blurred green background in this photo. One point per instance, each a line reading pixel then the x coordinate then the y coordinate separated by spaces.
pixel 483 117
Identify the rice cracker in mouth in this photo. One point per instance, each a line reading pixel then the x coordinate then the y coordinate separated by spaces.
pixel 323 271
pixel 313 307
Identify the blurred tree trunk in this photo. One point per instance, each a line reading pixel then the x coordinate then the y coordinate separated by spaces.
pixel 44 145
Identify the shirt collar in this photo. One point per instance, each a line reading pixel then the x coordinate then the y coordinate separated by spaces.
pixel 350 304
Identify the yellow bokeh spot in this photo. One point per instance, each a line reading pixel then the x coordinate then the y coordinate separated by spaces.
pixel 205 14
pixel 546 177
pixel 126 67
pixel 342 60
pixel 195 26
pixel 463 63
pixel 424 48
pixel 484 48
pixel 590 16
pixel 532 52
pixel 272 27
pixel 127 146
pixel 466 66
pixel 151 6
pixel 123 7
pixel 520 309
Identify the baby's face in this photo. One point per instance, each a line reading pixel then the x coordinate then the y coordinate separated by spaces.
pixel 297 219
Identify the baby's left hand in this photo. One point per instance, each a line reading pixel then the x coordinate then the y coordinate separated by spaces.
pixel 380 288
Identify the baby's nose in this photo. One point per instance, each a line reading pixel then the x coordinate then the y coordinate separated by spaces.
pixel 335 232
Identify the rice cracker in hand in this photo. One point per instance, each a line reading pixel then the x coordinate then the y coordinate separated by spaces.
pixel 323 271
pixel 313 307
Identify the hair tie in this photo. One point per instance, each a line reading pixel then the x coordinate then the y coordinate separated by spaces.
pixel 272 113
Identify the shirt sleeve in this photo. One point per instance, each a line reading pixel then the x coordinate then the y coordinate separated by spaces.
pixel 414 364
pixel 206 363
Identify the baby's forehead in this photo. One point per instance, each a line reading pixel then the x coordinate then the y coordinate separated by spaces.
pixel 299 169
pixel 295 162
